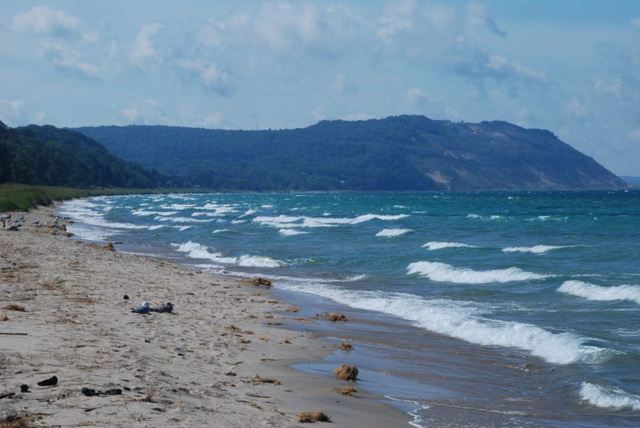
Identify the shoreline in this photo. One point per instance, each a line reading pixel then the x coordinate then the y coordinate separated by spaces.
pixel 207 364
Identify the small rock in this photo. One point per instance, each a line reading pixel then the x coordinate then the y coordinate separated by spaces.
pixel 53 380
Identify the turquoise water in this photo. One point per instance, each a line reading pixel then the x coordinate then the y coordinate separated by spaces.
pixel 522 307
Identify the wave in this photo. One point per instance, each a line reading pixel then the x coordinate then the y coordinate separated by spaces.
pixel 608 397
pixel 291 232
pixel 146 213
pixel 178 207
pixel 85 211
pixel 599 293
pixel 464 320
pixel 283 221
pixel 182 219
pixel 199 251
pixel 435 245
pixel 442 272
pixel 183 228
pixel 536 249
pixel 390 233
pixel 221 231
pixel 156 227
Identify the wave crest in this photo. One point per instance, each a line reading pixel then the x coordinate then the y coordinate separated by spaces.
pixel 442 272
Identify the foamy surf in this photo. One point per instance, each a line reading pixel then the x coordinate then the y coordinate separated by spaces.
pixel 291 232
pixel 390 233
pixel 435 245
pixel 599 293
pixel 284 221
pixel 442 272
pixel 464 321
pixel 608 397
pixel 199 251
pixel 536 249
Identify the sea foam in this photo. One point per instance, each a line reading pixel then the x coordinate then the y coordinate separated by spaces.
pixel 284 222
pixel 199 251
pixel 390 233
pixel 465 321
pixel 442 272
pixel 596 292
pixel 536 249
pixel 435 245
pixel 608 397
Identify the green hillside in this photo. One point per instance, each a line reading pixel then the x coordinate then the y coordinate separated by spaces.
pixel 396 153
pixel 45 155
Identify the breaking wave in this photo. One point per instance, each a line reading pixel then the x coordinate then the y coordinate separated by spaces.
pixel 599 293
pixel 608 397
pixel 442 272
pixel 390 233
pixel 435 245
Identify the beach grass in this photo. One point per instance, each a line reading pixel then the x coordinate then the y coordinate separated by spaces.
pixel 23 197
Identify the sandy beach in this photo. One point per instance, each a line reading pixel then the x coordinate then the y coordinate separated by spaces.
pixel 219 359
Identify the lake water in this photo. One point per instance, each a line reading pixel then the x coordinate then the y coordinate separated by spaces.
pixel 505 309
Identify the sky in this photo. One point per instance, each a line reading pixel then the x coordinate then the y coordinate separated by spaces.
pixel 570 66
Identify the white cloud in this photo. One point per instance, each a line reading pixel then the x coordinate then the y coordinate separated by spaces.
pixel 208 75
pixel 145 112
pixel 143 53
pixel 46 21
pixel 357 117
pixel 479 16
pixel 344 85
pixel 70 61
pixel 635 135
pixel 12 111
pixel 577 108
pixel 609 87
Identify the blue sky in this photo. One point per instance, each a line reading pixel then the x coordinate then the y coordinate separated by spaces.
pixel 570 66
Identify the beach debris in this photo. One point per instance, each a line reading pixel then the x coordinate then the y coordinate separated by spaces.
pixel 24 388
pixel 168 307
pixel 14 307
pixel 257 378
pixel 336 317
pixel 261 281
pixel 6 394
pixel 347 391
pixel 53 380
pixel 144 308
pixel 125 297
pixel 4 317
pixel 90 392
pixel 16 420
pixel 346 346
pixel 293 309
pixel 109 247
pixel 314 416
pixel 13 228
pixel 346 372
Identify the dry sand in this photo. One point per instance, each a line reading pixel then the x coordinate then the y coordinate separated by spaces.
pixel 194 367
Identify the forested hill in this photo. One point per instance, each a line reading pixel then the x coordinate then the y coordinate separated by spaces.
pixel 45 155
pixel 396 153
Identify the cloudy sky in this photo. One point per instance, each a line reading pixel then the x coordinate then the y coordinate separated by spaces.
pixel 570 66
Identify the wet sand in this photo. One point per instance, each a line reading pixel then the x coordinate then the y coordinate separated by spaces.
pixel 220 359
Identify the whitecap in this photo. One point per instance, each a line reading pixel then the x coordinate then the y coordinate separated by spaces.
pixel 536 249
pixel 599 293
pixel 291 232
pixel 608 397
pixel 435 245
pixel 199 251
pixel 465 321
pixel 442 272
pixel 390 233
pixel 221 231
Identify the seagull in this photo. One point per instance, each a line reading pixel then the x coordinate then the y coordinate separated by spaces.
pixel 142 309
